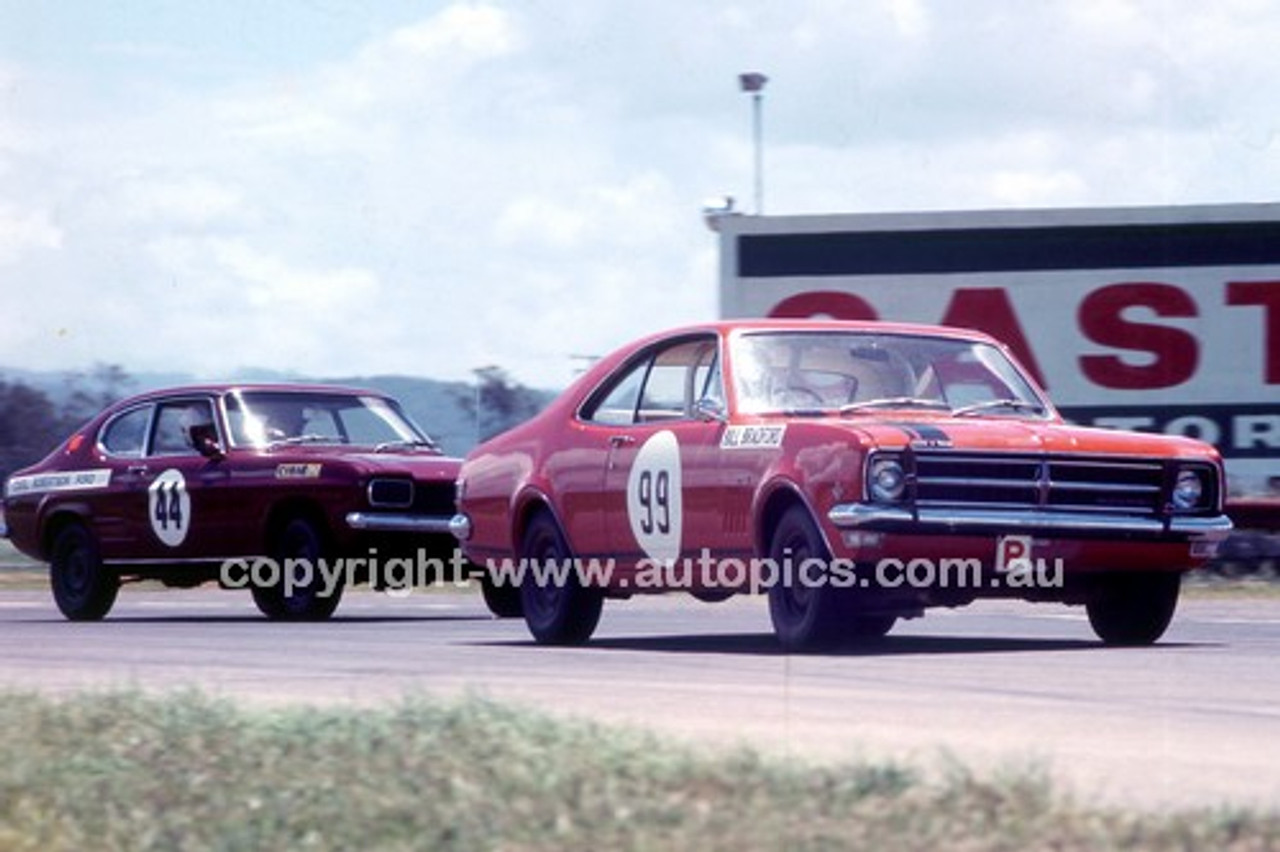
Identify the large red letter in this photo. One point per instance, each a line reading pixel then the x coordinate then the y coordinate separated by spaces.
pixel 1175 352
pixel 1265 294
pixel 989 309
pixel 829 303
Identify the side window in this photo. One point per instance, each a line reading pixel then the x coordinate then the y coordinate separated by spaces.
pixel 678 379
pixel 663 387
pixel 170 435
pixel 618 407
pixel 706 378
pixel 127 433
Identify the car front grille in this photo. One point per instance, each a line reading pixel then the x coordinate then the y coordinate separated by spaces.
pixel 1072 484
pixel 434 499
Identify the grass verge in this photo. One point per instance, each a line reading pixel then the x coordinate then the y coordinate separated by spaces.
pixel 133 771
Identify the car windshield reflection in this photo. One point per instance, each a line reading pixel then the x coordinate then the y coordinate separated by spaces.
pixel 852 373
pixel 283 418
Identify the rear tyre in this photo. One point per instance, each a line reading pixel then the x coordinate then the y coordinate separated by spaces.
pixel 298 597
pixel 804 617
pixel 83 588
pixel 1132 608
pixel 558 609
pixel 503 601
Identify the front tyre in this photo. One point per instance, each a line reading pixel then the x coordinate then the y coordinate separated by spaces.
pixel 83 588
pixel 1132 608
pixel 805 617
pixel 869 626
pixel 504 600
pixel 558 609
pixel 299 594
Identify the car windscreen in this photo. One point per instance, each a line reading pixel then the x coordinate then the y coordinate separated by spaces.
pixel 267 418
pixel 850 372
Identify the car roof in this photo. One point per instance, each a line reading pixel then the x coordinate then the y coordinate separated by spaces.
pixel 607 364
pixel 834 325
pixel 217 388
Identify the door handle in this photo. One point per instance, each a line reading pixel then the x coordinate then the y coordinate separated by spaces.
pixel 621 440
pixel 137 469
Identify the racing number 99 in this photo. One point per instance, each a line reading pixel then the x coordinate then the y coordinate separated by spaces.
pixel 653 489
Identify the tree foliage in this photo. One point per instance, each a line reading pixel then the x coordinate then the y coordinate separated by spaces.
pixel 29 426
pixel 497 402
pixel 32 424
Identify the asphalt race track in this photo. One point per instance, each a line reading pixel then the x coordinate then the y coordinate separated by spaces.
pixel 1194 720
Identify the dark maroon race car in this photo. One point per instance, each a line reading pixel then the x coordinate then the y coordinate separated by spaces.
pixel 291 490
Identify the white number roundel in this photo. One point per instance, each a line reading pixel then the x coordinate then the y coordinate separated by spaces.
pixel 169 506
pixel 655 507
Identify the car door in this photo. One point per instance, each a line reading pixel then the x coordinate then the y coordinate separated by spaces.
pixel 660 495
pixel 183 504
pixel 118 516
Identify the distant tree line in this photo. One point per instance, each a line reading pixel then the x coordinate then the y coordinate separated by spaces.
pixel 497 402
pixel 33 423
pixel 34 420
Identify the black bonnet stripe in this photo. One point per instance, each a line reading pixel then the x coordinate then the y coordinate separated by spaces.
pixel 924 433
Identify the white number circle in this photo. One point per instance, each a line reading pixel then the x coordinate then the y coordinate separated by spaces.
pixel 655 506
pixel 169 507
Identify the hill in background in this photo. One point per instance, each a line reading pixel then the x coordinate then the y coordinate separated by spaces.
pixel 446 410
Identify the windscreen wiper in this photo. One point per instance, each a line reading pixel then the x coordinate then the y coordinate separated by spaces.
pixel 892 402
pixel 991 404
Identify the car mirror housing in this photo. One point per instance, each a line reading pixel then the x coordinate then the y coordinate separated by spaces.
pixel 710 410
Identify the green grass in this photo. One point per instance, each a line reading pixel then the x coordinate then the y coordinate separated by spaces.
pixel 129 771
pixel 1228 581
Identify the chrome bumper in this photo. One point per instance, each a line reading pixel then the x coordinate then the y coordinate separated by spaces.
pixel 384 522
pixel 952 520
pixel 460 527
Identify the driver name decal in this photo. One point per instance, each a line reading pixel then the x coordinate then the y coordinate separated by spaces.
pixel 40 483
pixel 752 437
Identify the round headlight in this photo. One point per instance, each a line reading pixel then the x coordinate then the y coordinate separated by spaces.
pixel 1187 489
pixel 886 481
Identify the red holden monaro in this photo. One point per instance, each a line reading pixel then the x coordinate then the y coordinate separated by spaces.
pixel 282 488
pixel 860 472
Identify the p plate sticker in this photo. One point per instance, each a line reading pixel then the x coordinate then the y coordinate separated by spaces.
pixel 655 506
pixel 169 507
pixel 752 437
pixel 1013 553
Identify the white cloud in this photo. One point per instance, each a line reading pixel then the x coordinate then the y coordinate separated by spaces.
pixel 503 183
pixel 26 231
pixel 189 201
pixel 911 17
pixel 541 221
pixel 478 30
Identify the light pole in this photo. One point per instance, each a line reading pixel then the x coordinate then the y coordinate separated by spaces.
pixel 753 82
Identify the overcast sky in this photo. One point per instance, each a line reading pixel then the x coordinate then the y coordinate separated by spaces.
pixel 428 187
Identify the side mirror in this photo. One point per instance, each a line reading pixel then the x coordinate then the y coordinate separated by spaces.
pixel 710 410
pixel 204 439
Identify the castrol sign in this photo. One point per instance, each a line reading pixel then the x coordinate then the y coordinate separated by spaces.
pixel 1163 319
